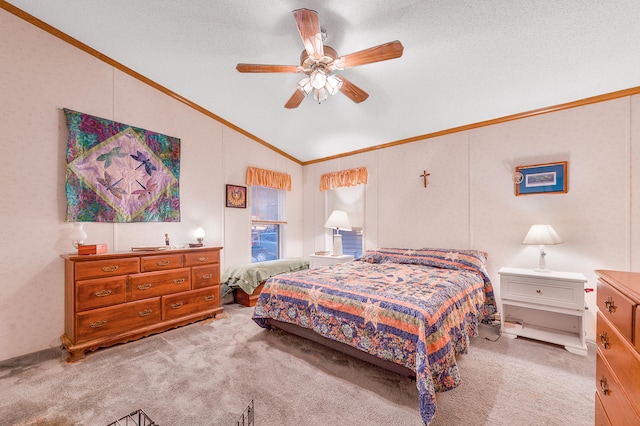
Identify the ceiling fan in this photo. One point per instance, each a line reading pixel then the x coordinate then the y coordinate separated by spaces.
pixel 319 62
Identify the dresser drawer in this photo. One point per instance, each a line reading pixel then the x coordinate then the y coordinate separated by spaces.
pixel 160 263
pixel 205 276
pixel 636 333
pixel 190 302
pixel 201 258
pixel 617 308
pixel 601 418
pixel 106 268
pixel 620 356
pixel 615 403
pixel 91 294
pixel 152 284
pixel 115 319
pixel 564 294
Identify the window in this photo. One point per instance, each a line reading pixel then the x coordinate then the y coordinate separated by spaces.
pixel 352 242
pixel 267 223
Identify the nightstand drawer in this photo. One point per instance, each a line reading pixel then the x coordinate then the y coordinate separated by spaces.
pixel 547 292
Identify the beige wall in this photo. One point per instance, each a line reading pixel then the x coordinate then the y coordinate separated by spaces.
pixel 470 201
pixel 39 75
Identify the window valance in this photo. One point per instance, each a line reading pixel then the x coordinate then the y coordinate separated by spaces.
pixel 268 178
pixel 344 178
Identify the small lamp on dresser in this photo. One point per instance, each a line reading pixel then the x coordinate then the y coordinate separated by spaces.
pixel 199 234
pixel 339 221
pixel 542 235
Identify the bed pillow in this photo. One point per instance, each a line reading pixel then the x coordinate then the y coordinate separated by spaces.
pixel 473 260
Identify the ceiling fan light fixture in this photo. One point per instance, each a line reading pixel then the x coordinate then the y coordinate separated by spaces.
pixel 333 84
pixel 318 79
pixel 305 85
pixel 320 95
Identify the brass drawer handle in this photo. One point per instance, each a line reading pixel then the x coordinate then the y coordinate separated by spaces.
pixel 98 324
pixel 162 262
pixel 610 305
pixel 145 312
pixel 110 268
pixel 604 340
pixel 207 276
pixel 103 293
pixel 176 305
pixel 203 258
pixel 179 280
pixel 145 286
pixel 209 298
pixel 604 386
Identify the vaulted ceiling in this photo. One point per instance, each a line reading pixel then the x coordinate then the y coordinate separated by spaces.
pixel 464 61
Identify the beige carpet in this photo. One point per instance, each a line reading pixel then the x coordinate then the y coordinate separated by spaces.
pixel 206 374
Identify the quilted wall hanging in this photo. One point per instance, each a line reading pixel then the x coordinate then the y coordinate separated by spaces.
pixel 120 173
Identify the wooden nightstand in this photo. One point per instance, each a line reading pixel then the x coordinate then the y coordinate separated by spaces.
pixel 547 306
pixel 316 261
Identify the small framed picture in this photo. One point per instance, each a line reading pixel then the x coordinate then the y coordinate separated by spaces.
pixel 550 178
pixel 236 196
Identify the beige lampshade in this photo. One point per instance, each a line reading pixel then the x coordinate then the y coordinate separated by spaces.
pixel 338 220
pixel 542 235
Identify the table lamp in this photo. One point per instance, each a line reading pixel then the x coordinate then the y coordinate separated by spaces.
pixel 340 222
pixel 542 235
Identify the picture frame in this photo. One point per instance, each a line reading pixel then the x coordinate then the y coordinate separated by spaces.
pixel 236 196
pixel 549 178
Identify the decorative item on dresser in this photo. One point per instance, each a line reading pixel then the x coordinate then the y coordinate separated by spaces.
pixel 618 354
pixel 118 297
pixel 546 306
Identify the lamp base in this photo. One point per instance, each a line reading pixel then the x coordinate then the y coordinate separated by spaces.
pixel 337 245
pixel 542 266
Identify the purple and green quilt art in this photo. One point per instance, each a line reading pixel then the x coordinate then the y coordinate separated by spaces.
pixel 120 173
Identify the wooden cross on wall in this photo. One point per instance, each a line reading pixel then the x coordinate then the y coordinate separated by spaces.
pixel 424 177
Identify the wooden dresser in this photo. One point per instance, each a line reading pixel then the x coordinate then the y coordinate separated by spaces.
pixel 617 357
pixel 118 297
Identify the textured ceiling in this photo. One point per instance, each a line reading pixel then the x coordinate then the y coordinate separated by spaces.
pixel 464 61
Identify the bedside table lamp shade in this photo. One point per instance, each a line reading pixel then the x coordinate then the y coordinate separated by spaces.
pixel 542 235
pixel 340 222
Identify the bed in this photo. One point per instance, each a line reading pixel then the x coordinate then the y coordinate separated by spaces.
pixel 409 310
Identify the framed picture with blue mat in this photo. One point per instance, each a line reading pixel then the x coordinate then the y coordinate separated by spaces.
pixel 550 178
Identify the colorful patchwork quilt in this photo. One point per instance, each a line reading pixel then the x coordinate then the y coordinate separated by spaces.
pixel 416 308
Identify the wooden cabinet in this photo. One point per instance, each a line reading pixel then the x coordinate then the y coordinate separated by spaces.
pixel 617 355
pixel 547 306
pixel 118 297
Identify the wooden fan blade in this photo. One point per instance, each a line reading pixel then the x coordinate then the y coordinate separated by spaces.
pixel 380 53
pixel 295 99
pixel 268 68
pixel 309 28
pixel 352 91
